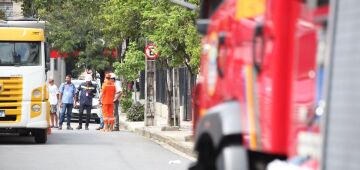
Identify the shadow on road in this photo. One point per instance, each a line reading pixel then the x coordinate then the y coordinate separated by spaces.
pixel 10 139
pixel 66 137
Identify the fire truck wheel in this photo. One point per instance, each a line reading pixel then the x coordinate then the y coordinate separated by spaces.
pixel 40 135
pixel 206 155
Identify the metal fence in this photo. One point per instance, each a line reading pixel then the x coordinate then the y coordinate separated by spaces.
pixel 161 89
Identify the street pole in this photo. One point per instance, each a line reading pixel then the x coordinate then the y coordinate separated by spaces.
pixel 176 97
pixel 150 71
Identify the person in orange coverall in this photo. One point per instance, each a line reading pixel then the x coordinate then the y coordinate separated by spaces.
pixel 107 100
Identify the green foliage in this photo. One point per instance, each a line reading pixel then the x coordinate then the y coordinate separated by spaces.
pixel 168 25
pixel 89 26
pixel 136 112
pixel 174 33
pixel 73 25
pixel 134 63
pixel 125 104
pixel 121 19
pixel 2 14
pixel 125 100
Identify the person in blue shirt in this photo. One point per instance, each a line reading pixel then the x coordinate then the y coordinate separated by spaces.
pixel 67 97
pixel 87 91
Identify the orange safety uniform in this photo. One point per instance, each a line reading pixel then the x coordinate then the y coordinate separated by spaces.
pixel 108 93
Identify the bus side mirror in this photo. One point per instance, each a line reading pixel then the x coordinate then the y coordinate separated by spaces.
pixel 47 66
pixel 47 57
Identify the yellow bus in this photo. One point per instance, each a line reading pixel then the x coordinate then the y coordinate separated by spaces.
pixel 24 108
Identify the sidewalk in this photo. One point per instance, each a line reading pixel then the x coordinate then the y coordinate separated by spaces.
pixel 180 139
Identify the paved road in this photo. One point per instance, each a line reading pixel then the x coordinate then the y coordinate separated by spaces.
pixel 87 150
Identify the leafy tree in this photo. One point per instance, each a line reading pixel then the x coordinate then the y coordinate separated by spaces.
pixel 169 26
pixel 172 28
pixel 2 14
pixel 121 20
pixel 73 26
pixel 134 63
pixel 89 26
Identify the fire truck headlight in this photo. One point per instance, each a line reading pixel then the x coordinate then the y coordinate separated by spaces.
pixel 37 93
pixel 35 108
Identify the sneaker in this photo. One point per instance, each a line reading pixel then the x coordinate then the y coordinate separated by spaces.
pixel 98 128
pixel 60 127
pixel 86 128
pixel 51 126
pixel 79 127
pixel 56 126
pixel 116 129
pixel 69 128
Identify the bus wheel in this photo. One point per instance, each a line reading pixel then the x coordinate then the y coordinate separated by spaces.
pixel 40 135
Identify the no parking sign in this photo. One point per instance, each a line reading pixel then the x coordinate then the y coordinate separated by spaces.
pixel 151 51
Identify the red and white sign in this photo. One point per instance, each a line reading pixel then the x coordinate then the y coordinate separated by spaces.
pixel 151 51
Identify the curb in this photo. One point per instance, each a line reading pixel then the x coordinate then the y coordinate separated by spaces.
pixel 158 137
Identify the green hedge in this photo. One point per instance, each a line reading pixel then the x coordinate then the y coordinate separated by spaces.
pixel 136 112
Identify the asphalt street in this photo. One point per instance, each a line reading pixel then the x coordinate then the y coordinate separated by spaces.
pixel 80 149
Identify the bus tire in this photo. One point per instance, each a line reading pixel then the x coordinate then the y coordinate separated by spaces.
pixel 40 135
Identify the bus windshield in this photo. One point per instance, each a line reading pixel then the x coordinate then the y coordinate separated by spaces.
pixel 20 53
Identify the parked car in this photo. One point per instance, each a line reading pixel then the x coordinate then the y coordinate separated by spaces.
pixel 95 110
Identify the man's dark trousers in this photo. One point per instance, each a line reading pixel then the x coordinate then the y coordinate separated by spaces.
pixel 88 112
pixel 68 108
pixel 116 114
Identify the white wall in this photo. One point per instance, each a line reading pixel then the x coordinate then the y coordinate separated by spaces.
pixel 59 74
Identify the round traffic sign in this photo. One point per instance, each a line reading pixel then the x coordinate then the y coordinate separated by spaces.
pixel 151 51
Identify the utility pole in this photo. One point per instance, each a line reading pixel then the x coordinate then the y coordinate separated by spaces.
pixel 170 101
pixel 150 68
pixel 176 97
pixel 150 78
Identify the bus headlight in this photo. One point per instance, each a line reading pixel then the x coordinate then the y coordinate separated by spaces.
pixel 37 93
pixel 35 108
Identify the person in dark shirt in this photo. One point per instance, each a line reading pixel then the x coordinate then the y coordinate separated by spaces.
pixel 87 91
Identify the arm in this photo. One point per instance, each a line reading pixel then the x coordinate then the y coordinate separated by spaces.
pixel 57 93
pixel 101 94
pixel 60 94
pixel 118 92
pixel 93 91
pixel 117 96
pixel 77 93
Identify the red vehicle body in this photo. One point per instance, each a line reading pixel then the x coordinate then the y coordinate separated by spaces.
pixel 264 60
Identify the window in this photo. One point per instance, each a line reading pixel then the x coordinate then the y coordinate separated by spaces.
pixel 20 53
pixel 207 8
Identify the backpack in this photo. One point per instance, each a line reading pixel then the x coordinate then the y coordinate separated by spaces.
pixel 63 84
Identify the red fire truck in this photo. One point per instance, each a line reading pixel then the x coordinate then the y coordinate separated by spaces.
pixel 260 81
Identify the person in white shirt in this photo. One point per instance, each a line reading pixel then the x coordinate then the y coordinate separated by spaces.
pixel 53 100
pixel 118 92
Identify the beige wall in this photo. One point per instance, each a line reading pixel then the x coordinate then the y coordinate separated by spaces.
pixel 11 9
pixel 17 12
